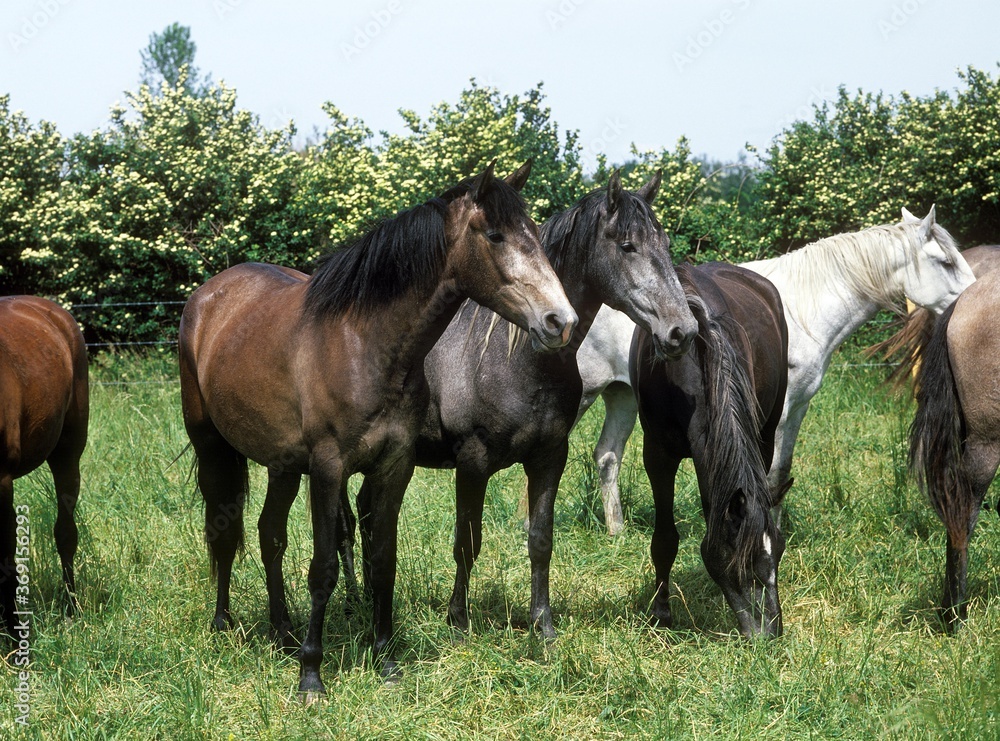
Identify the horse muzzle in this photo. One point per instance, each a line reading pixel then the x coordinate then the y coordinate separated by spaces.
pixel 554 330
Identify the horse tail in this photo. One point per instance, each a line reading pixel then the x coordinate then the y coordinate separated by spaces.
pixel 740 499
pixel 906 347
pixel 937 435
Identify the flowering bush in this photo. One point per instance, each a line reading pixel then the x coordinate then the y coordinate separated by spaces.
pixel 181 185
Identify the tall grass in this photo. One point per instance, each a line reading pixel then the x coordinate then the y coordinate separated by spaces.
pixel 863 655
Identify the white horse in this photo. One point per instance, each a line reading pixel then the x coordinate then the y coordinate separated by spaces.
pixel 829 289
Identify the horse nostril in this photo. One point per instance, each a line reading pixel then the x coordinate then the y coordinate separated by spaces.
pixel 553 323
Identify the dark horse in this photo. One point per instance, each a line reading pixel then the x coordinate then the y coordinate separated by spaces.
pixel 720 405
pixel 495 403
pixel 955 435
pixel 44 407
pixel 324 376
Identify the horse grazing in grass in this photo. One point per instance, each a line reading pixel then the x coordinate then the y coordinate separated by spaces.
pixel 719 405
pixel 955 435
pixel 325 376
pixel 44 408
pixel 494 402
pixel 828 288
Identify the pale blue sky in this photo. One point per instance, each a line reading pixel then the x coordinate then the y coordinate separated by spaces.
pixel 722 73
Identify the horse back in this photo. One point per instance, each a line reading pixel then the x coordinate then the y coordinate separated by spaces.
pixel 749 311
pixel 44 393
pixel 757 325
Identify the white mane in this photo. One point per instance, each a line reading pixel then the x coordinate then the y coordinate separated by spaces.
pixel 855 265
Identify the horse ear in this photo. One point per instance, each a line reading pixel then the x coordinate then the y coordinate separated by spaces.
pixel 909 218
pixel 649 190
pixel 614 192
pixel 483 183
pixel 928 221
pixel 927 225
pixel 519 177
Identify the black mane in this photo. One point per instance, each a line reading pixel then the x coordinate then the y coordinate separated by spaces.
pixel 569 234
pixel 403 252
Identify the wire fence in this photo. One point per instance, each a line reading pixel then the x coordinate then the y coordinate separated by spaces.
pixel 124 344
pixel 173 343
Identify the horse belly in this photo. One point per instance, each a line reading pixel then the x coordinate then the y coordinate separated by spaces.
pixel 34 410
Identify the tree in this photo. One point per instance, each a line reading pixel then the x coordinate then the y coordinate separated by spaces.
pixel 164 60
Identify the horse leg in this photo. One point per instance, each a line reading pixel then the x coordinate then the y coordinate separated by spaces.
pixel 65 470
pixel 346 526
pixel 543 482
pixel 382 520
pixel 272 527
pixel 364 525
pixel 661 468
pixel 980 461
pixel 470 493
pixel 8 568
pixel 326 477
pixel 620 411
pixel 222 479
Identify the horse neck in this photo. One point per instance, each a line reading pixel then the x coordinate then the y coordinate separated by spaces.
pixel 410 326
pixel 583 297
pixel 831 313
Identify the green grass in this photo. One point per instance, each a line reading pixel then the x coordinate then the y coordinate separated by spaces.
pixel 863 655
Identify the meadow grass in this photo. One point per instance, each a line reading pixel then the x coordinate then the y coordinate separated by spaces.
pixel 863 655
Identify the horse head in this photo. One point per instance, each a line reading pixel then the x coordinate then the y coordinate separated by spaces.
pixel 629 258
pixel 937 273
pixel 498 261
pixel 744 563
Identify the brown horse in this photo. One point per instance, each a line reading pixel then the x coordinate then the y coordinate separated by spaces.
pixel 44 407
pixel 325 376
pixel 955 435
pixel 719 405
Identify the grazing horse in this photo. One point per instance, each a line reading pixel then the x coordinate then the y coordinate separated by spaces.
pixel 719 405
pixel 325 376
pixel 495 403
pixel 955 435
pixel 828 288
pixel 44 408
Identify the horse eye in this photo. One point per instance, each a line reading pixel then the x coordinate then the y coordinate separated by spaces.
pixel 495 237
pixel 627 247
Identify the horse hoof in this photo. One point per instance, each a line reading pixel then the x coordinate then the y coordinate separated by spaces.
pixel 391 673
pixel 222 623
pixel 661 621
pixel 311 689
pixel 285 642
pixel 311 697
